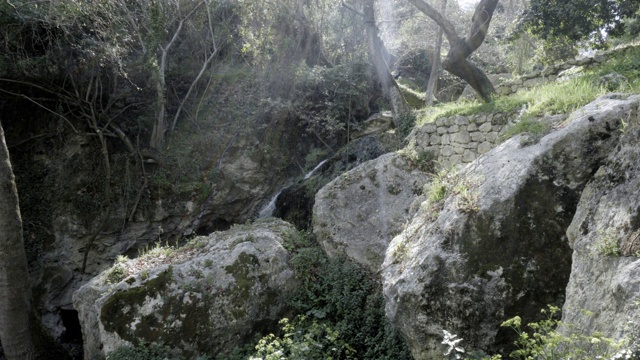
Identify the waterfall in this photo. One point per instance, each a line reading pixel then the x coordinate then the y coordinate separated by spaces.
pixel 267 210
pixel 310 173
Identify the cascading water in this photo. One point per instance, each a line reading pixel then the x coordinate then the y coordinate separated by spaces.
pixel 267 210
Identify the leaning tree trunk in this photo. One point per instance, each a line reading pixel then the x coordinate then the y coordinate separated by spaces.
pixel 14 277
pixel 435 63
pixel 390 88
pixel 457 61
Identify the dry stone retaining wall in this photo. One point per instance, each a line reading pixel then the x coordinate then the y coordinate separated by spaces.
pixel 554 72
pixel 457 140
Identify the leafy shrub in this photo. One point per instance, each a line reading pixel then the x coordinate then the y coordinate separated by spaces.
pixel 303 339
pixel 545 342
pixel 141 352
pixel 339 295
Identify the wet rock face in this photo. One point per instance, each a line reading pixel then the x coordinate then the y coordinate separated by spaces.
pixel 358 213
pixel 465 269
pixel 605 237
pixel 207 297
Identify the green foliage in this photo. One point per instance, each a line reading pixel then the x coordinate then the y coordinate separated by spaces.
pixel 546 342
pixel 607 244
pixel 590 19
pixel 141 352
pixel 303 339
pixel 406 122
pixel 326 98
pixel 339 295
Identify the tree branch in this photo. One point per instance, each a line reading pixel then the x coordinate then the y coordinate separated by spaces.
pixel 446 25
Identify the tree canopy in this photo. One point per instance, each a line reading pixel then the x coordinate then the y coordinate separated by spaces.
pixel 578 20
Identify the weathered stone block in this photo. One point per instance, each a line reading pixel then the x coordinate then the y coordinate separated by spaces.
pixel 533 82
pixel 472 127
pixel 484 147
pixel 461 137
pixel 478 136
pixel 549 70
pixel 439 122
pixel 447 151
pixel 461 120
pixel 485 128
pixel 492 137
pixel 450 121
pixel 442 130
pixel 429 128
pixel 434 140
pixel 445 139
pixel 455 159
pixel 503 90
pixel 453 129
pixel 468 156
pixel 458 149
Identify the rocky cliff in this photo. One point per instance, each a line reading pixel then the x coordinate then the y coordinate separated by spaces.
pixel 496 246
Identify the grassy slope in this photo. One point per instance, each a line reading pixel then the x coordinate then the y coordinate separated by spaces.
pixel 551 98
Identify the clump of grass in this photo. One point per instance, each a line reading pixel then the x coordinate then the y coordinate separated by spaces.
pixel 536 129
pixel 551 98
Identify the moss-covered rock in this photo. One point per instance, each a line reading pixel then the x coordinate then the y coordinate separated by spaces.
pixel 207 297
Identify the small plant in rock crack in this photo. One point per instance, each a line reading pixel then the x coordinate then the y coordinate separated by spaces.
pixel 454 350
pixel 449 182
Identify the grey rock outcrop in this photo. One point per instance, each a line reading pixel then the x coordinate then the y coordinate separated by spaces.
pixel 358 213
pixel 505 254
pixel 605 237
pixel 208 296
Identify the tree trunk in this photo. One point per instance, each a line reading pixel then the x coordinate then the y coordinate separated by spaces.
pixel 390 88
pixel 15 294
pixel 435 63
pixel 456 61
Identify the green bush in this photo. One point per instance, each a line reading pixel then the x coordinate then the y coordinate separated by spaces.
pixel 545 342
pixel 303 339
pixel 339 295
pixel 141 352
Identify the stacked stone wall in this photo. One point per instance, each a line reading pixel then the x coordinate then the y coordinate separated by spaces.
pixel 458 140
pixel 558 71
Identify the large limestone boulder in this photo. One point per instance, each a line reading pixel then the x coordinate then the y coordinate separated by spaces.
pixel 498 248
pixel 605 237
pixel 206 297
pixel 359 212
pixel 295 203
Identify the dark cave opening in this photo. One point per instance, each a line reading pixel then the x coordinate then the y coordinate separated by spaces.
pixel 71 338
